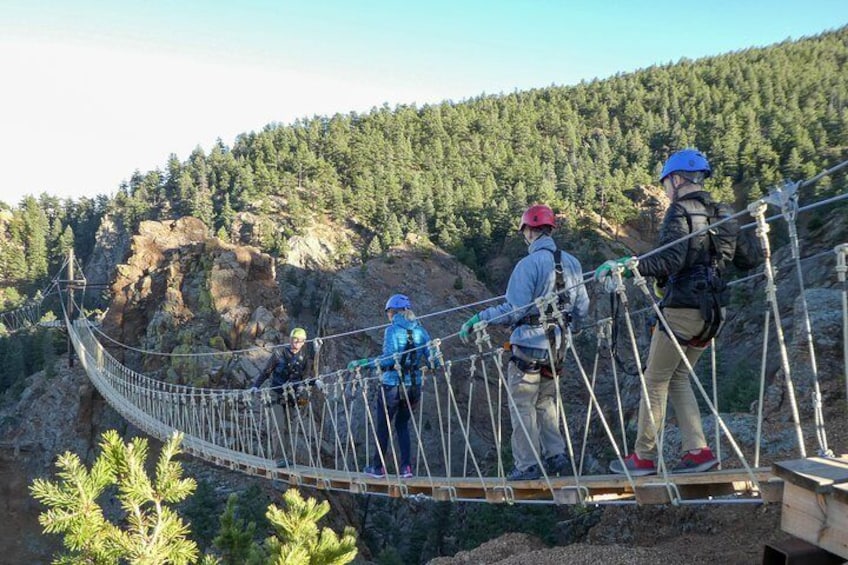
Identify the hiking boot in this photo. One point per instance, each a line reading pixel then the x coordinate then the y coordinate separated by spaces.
pixel 558 465
pixel 635 465
pixel 406 472
pixel 693 462
pixel 375 471
pixel 528 474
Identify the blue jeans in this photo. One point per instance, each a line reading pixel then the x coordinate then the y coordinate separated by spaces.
pixel 392 405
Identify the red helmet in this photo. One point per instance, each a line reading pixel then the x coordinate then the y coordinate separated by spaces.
pixel 538 216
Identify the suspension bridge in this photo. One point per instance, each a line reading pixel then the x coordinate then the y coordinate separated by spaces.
pixel 460 428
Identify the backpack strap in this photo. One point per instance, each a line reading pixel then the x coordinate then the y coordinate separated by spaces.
pixel 409 359
pixel 563 297
pixel 711 310
pixel 562 303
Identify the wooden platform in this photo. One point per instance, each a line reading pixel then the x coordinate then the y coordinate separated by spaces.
pixel 815 501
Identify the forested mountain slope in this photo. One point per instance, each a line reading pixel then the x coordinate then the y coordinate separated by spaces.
pixel 459 172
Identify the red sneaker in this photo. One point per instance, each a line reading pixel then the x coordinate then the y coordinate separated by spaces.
pixel 635 465
pixel 693 462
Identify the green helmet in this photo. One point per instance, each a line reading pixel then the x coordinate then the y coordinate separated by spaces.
pixel 298 333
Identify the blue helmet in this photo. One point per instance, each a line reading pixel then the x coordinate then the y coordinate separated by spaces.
pixel 688 160
pixel 398 302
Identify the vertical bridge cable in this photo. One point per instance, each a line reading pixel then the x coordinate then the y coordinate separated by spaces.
pixel 786 197
pixel 841 270
pixel 761 401
pixel 757 210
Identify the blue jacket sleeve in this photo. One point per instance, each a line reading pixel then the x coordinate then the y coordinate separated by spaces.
pixel 386 360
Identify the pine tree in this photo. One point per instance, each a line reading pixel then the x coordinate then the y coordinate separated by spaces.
pixel 35 225
pixel 13 366
pixel 299 541
pixel 235 537
pixel 152 532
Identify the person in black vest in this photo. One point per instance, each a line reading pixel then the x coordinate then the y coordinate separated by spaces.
pixel 288 367
pixel 689 278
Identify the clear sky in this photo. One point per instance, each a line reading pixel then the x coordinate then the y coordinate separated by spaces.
pixel 92 90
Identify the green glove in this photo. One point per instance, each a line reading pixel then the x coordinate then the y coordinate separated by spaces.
pixel 358 363
pixel 659 291
pixel 606 267
pixel 466 328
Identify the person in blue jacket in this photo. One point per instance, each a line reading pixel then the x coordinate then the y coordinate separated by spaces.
pixel 534 342
pixel 405 346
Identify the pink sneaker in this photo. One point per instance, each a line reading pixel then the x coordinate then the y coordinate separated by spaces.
pixel 406 472
pixel 635 465
pixel 692 462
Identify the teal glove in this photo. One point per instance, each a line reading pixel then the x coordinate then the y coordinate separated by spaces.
pixel 466 328
pixel 355 364
pixel 606 267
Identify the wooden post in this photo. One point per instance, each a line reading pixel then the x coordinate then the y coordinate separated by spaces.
pixel 70 308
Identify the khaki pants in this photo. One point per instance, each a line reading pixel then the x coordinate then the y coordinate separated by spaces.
pixel 534 399
pixel 667 379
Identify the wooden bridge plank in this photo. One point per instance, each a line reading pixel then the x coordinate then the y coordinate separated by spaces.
pixel 817 474
pixel 840 493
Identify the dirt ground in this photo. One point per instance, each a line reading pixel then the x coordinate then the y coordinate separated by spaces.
pixel 709 534
pixel 706 534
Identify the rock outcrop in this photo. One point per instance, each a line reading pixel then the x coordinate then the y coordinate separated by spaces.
pixel 181 290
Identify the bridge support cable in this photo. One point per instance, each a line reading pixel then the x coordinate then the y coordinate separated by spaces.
pixel 545 304
pixel 445 441
pixel 841 270
pixel 762 390
pixel 469 404
pixel 463 428
pixel 495 410
pixel 421 453
pixel 594 402
pixel 339 448
pixel 714 371
pixel 607 329
pixel 786 198
pixel 757 210
pixel 589 409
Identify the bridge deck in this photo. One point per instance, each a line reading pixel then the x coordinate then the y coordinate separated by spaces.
pixel 595 489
